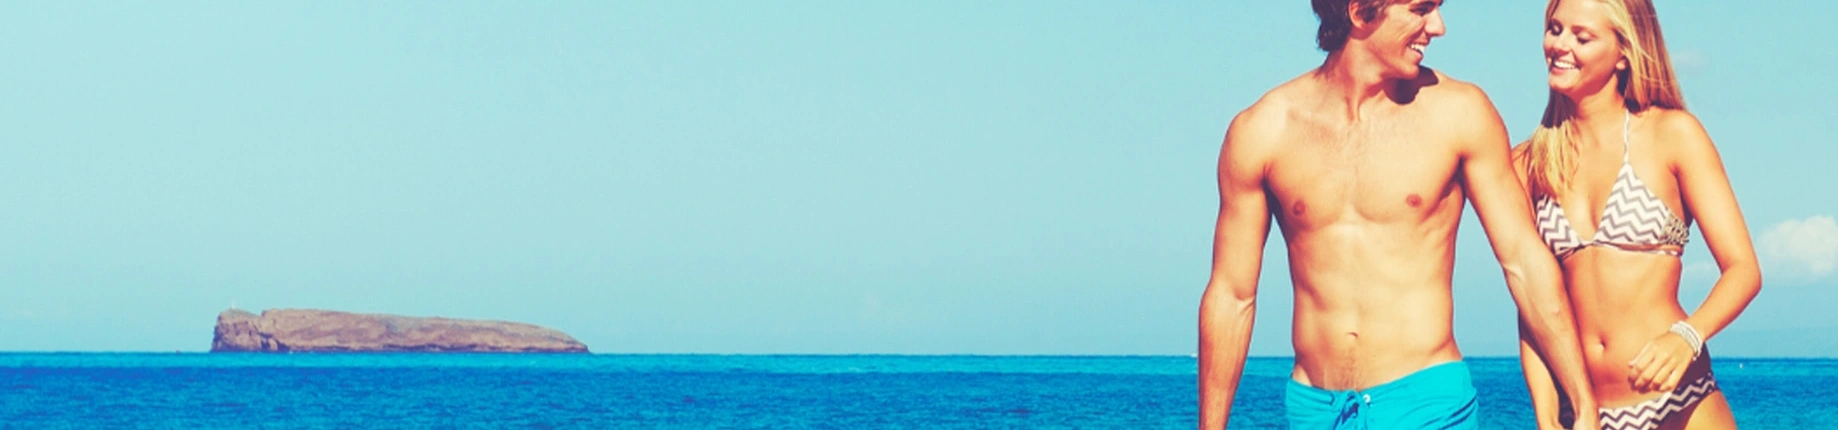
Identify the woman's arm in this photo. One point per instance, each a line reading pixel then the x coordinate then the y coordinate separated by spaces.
pixel 1704 187
pixel 1708 197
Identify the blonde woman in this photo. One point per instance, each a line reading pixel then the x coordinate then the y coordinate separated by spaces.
pixel 1617 152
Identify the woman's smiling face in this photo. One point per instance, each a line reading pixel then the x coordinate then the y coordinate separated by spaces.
pixel 1581 51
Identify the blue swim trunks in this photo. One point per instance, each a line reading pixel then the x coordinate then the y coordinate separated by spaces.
pixel 1437 397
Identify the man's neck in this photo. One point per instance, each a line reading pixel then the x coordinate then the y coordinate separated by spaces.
pixel 1354 80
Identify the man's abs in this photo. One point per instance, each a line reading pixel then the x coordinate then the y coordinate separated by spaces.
pixel 1366 315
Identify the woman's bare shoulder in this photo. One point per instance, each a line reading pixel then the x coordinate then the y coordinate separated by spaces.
pixel 1680 134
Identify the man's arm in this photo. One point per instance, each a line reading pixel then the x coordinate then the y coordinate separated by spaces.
pixel 1538 381
pixel 1229 305
pixel 1532 273
pixel 1537 375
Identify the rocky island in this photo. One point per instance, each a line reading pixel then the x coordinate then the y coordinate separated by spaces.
pixel 307 330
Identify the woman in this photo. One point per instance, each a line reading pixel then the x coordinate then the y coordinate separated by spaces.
pixel 1617 149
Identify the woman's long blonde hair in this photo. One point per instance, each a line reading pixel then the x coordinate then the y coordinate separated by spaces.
pixel 1647 82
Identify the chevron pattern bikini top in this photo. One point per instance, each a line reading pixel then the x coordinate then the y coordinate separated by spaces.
pixel 1634 219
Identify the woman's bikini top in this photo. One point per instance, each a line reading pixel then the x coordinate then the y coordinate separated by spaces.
pixel 1634 219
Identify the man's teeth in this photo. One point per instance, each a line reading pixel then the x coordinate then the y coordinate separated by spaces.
pixel 1418 47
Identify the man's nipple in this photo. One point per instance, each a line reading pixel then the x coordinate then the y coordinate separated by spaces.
pixel 1413 200
pixel 1298 209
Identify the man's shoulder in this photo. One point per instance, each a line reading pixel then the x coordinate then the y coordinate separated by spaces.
pixel 1264 121
pixel 1461 109
pixel 1265 116
pixel 1448 93
pixel 1279 101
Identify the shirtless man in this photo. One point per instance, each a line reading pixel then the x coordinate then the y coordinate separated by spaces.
pixel 1365 163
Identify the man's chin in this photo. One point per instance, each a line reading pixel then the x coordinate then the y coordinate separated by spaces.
pixel 1408 71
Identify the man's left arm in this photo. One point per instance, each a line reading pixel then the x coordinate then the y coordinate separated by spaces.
pixel 1532 273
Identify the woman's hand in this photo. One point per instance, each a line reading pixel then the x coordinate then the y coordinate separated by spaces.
pixel 1660 364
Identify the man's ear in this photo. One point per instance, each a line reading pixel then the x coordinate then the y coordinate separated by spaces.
pixel 1360 24
pixel 1353 13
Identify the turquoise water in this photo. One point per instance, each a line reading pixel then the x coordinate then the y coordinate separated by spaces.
pixel 408 391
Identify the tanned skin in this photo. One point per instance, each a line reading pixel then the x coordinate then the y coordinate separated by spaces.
pixel 1627 301
pixel 1366 163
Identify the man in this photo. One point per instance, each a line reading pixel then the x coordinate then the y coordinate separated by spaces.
pixel 1366 162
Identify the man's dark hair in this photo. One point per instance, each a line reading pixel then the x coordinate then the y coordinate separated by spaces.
pixel 1335 25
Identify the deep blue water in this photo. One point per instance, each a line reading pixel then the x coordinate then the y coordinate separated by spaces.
pixel 405 391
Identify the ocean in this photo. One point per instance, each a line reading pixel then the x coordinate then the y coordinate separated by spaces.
pixel 492 391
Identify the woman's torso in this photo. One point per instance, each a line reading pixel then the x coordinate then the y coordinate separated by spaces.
pixel 1624 282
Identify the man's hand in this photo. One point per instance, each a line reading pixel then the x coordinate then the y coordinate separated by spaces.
pixel 1586 421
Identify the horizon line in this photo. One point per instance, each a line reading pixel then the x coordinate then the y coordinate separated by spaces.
pixel 782 354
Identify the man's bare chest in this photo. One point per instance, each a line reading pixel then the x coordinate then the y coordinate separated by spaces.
pixel 1395 177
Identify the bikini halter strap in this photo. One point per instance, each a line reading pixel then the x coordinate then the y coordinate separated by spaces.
pixel 1625 141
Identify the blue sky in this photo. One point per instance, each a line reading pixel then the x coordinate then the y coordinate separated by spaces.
pixel 743 177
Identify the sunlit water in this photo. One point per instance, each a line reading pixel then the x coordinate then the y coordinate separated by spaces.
pixel 406 391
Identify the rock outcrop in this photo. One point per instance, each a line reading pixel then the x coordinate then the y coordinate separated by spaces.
pixel 306 330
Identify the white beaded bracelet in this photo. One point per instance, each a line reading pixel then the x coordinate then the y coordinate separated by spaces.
pixel 1684 330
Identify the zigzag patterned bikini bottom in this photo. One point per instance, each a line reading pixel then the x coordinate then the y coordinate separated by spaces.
pixel 1648 415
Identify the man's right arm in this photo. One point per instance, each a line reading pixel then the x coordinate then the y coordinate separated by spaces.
pixel 1532 273
pixel 1229 305
pixel 1545 407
